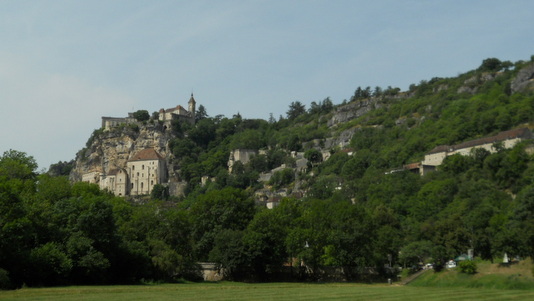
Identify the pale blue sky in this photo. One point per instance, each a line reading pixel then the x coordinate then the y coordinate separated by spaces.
pixel 64 64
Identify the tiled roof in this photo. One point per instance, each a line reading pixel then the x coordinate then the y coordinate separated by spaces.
pixel 177 108
pixel 147 154
pixel 439 149
pixel 113 172
pixel 524 133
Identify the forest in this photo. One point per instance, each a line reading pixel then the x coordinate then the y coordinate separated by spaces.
pixel 352 212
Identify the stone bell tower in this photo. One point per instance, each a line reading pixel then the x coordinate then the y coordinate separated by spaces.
pixel 192 106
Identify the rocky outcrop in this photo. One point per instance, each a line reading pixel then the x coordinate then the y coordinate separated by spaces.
pixel 353 110
pixel 524 79
pixel 108 150
pixel 472 84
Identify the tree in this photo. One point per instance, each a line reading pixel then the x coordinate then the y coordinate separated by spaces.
pixel 50 265
pixel 314 156
pixel 282 177
pixel 200 113
pixel 416 252
pixel 491 65
pixel 17 164
pixel 159 192
pixel 141 115
pixel 229 208
pixel 229 251
pixel 296 108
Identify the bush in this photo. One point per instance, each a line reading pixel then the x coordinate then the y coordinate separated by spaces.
pixel 5 283
pixel 467 267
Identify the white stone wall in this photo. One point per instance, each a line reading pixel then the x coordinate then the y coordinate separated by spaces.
pixel 121 183
pixel 107 183
pixel 434 159
pixel 91 177
pixel 437 158
pixel 144 174
pixel 242 155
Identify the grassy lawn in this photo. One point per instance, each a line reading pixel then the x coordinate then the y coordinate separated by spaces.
pixel 489 276
pixel 264 291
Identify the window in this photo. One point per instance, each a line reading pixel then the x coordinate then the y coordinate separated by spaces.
pixel 133 167
pixel 143 167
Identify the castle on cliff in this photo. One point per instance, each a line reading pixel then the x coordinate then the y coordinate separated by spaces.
pixel 164 115
pixel 145 168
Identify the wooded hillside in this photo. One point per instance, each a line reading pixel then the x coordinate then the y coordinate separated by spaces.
pixel 352 206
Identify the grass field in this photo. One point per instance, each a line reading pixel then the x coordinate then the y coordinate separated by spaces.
pixel 489 276
pixel 264 291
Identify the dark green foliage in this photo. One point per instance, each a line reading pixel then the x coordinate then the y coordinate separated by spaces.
pixel 282 178
pixel 16 164
pixel 201 113
pixel 467 267
pixel 5 282
pixel 61 168
pixel 491 65
pixel 159 192
pixel 296 109
pixel 313 155
pixel 141 115
pixel 229 208
pixel 357 211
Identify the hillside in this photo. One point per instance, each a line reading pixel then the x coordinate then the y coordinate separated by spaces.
pixel 385 129
pixel 386 178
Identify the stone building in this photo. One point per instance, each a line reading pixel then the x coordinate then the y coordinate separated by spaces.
pixel 179 112
pixel 165 116
pixel 116 181
pixel 508 139
pixel 111 122
pixel 240 155
pixel 144 170
pixel 436 156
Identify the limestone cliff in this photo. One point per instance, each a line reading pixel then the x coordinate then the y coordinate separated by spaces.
pixel 111 149
pixel 524 80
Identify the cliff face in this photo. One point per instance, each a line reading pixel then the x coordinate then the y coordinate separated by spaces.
pixel 524 80
pixel 108 150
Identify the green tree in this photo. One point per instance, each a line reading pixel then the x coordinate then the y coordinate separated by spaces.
pixel 201 113
pixel 491 64
pixel 229 208
pixel 141 115
pixel 159 192
pixel 50 265
pixel 296 108
pixel 314 156
pixel 16 164
pixel 416 252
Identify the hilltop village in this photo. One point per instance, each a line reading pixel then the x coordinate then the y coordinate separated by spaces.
pixel 178 194
pixel 144 168
pixel 149 165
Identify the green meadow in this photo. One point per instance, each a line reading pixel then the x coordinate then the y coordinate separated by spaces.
pixel 264 291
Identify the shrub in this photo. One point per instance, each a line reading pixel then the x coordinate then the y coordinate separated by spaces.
pixel 5 283
pixel 467 267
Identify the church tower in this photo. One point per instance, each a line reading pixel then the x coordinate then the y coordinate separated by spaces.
pixel 192 106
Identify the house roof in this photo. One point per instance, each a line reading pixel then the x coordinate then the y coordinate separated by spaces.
pixel 113 172
pixel 524 133
pixel 147 154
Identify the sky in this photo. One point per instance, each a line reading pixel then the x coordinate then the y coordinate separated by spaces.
pixel 65 64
